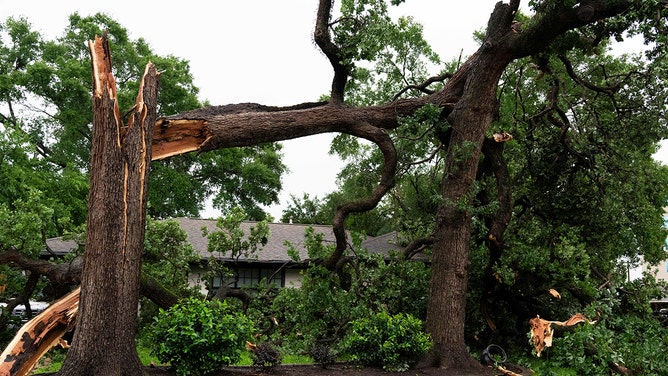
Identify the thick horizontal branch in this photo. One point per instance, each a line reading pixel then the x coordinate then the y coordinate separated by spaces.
pixel 220 127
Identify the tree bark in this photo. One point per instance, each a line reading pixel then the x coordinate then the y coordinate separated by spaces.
pixel 104 342
pixel 470 119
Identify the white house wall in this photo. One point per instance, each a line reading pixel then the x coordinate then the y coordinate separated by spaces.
pixel 293 278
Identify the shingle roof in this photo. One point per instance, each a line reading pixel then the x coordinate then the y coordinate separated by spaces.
pixel 273 252
pixel 59 246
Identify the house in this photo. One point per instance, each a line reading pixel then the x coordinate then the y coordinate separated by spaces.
pixel 271 260
pixel 660 271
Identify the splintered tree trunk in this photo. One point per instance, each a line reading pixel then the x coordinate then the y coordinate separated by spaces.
pixel 104 342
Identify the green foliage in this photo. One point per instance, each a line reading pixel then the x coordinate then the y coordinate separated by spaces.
pixel 231 241
pixel 626 332
pixel 168 255
pixel 199 337
pixel 395 48
pixel 393 342
pixel 266 356
pixel 322 355
pixel 320 311
pixel 631 341
pixel 587 195
pixel 231 238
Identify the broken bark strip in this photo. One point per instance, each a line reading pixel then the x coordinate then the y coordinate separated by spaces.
pixel 39 335
pixel 542 330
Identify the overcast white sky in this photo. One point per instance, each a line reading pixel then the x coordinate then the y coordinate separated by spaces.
pixel 257 51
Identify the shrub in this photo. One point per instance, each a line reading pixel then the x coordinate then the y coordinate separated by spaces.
pixel 265 356
pixel 322 355
pixel 198 337
pixel 393 342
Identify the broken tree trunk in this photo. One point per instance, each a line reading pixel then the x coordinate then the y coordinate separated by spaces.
pixel 39 335
pixel 104 342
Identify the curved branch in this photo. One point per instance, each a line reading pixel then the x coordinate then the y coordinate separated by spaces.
pixel 416 246
pixel 248 124
pixel 323 39
pixel 23 298
pixel 496 165
pixel 571 73
pixel 70 274
pixel 61 274
pixel 384 142
pixel 547 25
pixel 423 87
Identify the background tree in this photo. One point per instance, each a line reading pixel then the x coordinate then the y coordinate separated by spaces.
pixel 48 104
pixel 45 141
pixel 305 210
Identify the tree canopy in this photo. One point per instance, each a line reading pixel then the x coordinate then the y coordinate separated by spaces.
pixel 46 90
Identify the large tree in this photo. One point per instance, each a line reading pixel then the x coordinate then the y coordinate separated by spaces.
pixel 46 96
pixel 468 102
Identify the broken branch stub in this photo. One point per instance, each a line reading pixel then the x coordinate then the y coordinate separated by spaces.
pixel 542 331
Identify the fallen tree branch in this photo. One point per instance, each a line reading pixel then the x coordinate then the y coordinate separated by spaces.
pixel 542 334
pixel 39 335
pixel 542 331
pixel 70 274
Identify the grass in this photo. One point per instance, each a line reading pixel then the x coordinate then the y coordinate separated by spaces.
pixel 543 368
pixel 297 359
pixel 50 362
pixel 246 359
pixel 57 355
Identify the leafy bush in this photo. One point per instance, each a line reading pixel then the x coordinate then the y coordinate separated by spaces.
pixel 265 356
pixel 321 310
pixel 393 342
pixel 322 355
pixel 198 337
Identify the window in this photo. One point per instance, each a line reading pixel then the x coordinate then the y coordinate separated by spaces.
pixel 249 277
